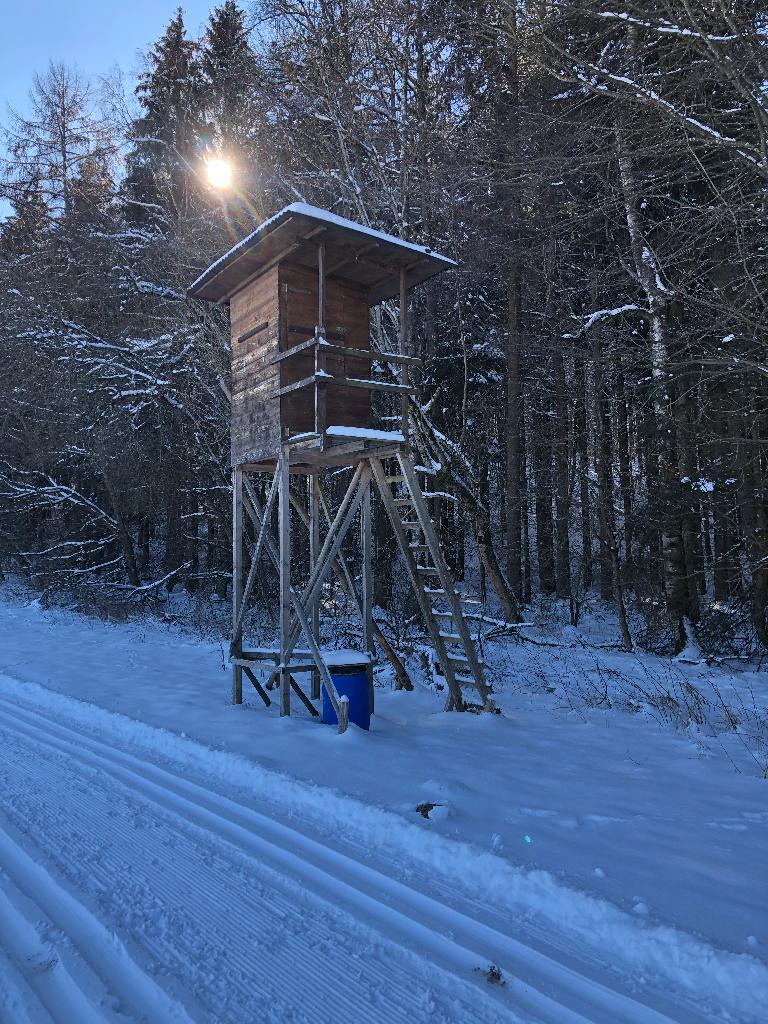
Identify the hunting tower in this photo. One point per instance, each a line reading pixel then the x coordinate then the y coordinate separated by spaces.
pixel 300 288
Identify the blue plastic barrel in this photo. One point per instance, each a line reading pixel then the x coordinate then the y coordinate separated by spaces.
pixel 350 681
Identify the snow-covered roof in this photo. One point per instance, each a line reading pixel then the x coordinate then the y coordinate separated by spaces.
pixel 294 232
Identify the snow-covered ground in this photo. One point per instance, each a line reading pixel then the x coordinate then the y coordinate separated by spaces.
pixel 165 856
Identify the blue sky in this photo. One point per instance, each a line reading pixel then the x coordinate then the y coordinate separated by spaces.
pixel 95 35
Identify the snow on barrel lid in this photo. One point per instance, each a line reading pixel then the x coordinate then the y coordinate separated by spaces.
pixel 371 259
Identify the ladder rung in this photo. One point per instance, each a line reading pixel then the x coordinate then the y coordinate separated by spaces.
pixel 442 615
pixel 460 597
pixel 465 666
pixel 419 547
pixel 428 591
pixel 411 526
pixel 463 661
pixel 395 479
pixel 465 680
pixel 428 569
pixel 402 501
pixel 450 636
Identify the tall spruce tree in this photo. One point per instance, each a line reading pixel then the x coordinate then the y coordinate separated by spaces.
pixel 23 229
pixel 169 137
pixel 228 66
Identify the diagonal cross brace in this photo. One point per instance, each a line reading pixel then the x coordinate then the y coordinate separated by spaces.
pixel 237 631
pixel 330 550
pixel 340 705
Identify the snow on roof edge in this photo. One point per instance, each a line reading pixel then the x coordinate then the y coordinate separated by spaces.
pixel 344 222
pixel 319 214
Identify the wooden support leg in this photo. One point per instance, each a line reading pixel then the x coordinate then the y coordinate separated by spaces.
pixel 314 548
pixel 245 590
pixel 367 609
pixel 284 516
pixel 237 579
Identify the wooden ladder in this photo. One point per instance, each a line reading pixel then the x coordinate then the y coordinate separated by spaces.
pixel 440 604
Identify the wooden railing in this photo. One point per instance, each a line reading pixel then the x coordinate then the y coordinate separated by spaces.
pixel 320 379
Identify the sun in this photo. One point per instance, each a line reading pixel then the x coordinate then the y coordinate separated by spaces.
pixel 219 172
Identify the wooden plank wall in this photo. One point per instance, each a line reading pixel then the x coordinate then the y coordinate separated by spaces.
pixel 346 323
pixel 255 417
pixel 285 299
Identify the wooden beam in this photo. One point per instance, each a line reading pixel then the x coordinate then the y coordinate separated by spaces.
pixel 370 385
pixel 257 685
pixel 366 544
pixel 403 339
pixel 321 287
pixel 347 455
pixel 246 593
pixel 340 705
pixel 305 382
pixel 403 332
pixel 297 468
pixel 328 554
pixel 323 379
pixel 253 332
pixel 320 389
pixel 334 335
pixel 303 697
pixel 283 669
pixel 341 523
pixel 284 519
pixel 293 351
pixel 340 557
pixel 372 355
pixel 405 399
pixel 349 257
pixel 283 255
pixel 313 486
pixel 237 576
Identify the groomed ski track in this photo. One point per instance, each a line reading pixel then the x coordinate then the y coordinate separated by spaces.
pixel 131 890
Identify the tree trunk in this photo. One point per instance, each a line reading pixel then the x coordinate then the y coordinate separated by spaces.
pixel 608 542
pixel 625 472
pixel 545 554
pixel 562 477
pixel 123 536
pixel 525 531
pixel 648 274
pixel 582 444
pixel 513 422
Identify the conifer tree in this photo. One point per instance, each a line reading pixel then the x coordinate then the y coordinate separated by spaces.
pixel 23 229
pixel 170 134
pixel 228 66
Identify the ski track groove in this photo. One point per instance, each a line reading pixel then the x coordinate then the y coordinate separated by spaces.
pixel 235 836
pixel 389 991
pixel 238 970
pixel 41 979
pixel 99 950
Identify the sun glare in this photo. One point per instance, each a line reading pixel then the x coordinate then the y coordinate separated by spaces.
pixel 219 173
